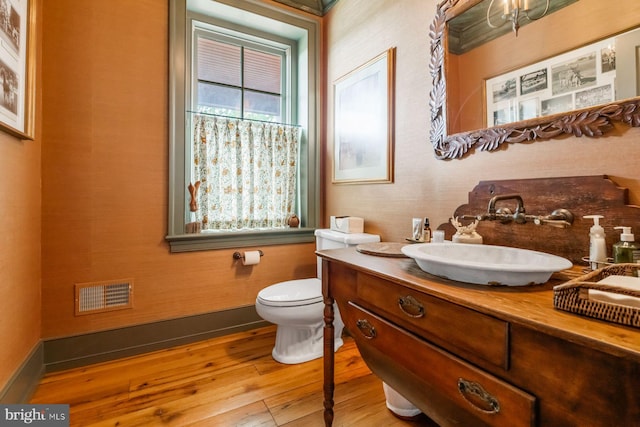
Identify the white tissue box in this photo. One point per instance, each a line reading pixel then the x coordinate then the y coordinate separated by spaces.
pixel 347 224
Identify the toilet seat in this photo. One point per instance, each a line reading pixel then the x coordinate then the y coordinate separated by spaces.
pixel 292 293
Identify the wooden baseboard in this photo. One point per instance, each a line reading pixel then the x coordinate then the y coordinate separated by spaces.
pixel 70 352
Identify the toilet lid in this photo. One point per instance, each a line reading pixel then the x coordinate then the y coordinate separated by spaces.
pixel 292 293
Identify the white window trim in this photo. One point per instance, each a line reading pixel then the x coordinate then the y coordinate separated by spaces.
pixel 308 116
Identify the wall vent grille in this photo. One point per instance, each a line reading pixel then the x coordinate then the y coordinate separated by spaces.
pixel 103 296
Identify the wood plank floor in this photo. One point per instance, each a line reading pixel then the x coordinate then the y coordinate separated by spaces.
pixel 225 381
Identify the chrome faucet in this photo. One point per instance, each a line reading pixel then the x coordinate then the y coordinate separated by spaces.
pixel 560 218
pixel 505 214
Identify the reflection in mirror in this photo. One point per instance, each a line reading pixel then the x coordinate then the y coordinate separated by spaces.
pixel 584 77
pixel 486 21
pixel 562 74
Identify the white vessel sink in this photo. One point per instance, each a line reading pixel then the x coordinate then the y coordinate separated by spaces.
pixel 486 264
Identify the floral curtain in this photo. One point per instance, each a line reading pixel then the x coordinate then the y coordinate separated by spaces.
pixel 247 172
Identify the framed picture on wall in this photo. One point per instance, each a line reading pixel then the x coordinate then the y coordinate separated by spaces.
pixel 17 67
pixel 364 122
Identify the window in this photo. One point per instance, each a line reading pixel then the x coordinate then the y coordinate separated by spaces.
pixel 235 79
pixel 239 62
pixel 244 160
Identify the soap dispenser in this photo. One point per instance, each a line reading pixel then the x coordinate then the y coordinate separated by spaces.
pixel 626 250
pixel 597 243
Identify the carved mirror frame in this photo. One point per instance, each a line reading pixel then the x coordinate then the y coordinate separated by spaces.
pixel 592 121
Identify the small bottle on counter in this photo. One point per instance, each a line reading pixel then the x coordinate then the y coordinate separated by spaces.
pixel 597 243
pixel 426 231
pixel 626 250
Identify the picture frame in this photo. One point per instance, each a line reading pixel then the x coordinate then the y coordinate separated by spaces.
pixel 364 115
pixel 17 67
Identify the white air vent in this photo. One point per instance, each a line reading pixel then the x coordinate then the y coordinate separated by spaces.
pixel 103 296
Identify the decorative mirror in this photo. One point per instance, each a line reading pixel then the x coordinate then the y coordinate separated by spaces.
pixel 564 73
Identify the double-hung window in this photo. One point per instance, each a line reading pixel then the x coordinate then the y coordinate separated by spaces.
pixel 244 125
pixel 236 77
pixel 244 159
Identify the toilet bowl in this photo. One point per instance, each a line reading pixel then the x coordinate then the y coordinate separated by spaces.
pixel 297 306
pixel 398 404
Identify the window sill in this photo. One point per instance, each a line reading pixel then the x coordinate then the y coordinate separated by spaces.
pixel 239 239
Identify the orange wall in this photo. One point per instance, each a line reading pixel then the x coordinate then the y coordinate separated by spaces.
pixel 102 144
pixel 105 169
pixel 358 30
pixel 19 249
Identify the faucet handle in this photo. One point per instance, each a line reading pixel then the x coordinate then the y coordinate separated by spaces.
pixel 562 214
pixel 558 223
pixel 560 218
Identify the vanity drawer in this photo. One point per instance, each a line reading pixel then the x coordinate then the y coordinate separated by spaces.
pixel 468 333
pixel 448 389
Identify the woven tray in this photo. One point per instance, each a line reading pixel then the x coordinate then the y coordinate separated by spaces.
pixel 573 296
pixel 386 249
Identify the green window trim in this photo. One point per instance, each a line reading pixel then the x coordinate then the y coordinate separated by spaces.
pixel 240 239
pixel 308 113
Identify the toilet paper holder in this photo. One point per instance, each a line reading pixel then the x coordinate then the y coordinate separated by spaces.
pixel 240 255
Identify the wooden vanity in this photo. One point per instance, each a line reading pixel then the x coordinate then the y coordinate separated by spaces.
pixel 471 355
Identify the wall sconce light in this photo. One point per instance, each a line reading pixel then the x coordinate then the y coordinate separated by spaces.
pixel 513 11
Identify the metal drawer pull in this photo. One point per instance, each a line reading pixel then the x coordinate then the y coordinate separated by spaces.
pixel 366 328
pixel 411 306
pixel 478 397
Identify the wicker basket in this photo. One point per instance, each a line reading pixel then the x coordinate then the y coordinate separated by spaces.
pixel 573 296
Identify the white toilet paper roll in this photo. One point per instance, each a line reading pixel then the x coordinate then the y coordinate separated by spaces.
pixel 251 258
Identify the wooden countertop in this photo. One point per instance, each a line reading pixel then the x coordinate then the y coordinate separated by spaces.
pixel 531 306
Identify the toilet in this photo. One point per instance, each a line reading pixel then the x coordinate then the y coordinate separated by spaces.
pixel 297 307
pixel 398 404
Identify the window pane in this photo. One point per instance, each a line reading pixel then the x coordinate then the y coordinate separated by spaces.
pixel 221 100
pixel 262 71
pixel 219 62
pixel 261 106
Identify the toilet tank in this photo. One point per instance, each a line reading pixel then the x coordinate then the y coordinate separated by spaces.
pixel 330 239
